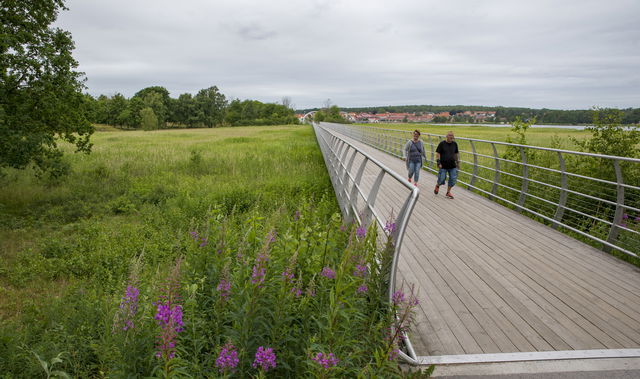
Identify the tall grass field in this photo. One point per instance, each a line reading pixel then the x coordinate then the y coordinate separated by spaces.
pixel 192 253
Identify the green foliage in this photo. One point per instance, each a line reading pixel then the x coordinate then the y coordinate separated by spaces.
pixel 47 366
pixel 211 105
pixel 148 119
pixel 331 114
pixel 609 137
pixel 41 102
pixel 156 98
pixel 252 112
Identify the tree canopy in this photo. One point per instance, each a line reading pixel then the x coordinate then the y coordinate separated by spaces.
pixel 41 100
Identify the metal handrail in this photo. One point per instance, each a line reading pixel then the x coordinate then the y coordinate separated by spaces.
pixel 610 218
pixel 339 156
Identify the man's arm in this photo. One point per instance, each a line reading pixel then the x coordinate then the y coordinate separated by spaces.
pixel 438 160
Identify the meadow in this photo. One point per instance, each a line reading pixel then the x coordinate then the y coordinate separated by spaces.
pixel 191 253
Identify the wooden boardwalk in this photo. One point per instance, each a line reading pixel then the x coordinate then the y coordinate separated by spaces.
pixel 492 281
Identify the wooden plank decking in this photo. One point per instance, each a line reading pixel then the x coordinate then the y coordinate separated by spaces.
pixel 490 280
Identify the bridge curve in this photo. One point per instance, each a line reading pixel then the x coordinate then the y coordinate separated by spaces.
pixel 497 286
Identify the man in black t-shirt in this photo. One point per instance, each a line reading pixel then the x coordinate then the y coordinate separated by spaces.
pixel 448 159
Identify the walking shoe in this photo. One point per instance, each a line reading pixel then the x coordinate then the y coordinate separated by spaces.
pixel 449 195
pixel 436 189
pixel 415 184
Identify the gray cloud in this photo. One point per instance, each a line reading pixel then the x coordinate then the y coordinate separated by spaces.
pixel 569 54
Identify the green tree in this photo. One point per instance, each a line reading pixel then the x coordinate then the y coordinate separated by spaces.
pixel 149 119
pixel 156 98
pixel 115 106
pixel 185 112
pixel 41 100
pixel 210 105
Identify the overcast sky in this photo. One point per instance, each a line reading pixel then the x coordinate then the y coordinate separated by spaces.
pixel 563 54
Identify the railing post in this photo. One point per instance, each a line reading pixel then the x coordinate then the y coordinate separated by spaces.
pixel 617 218
pixel 356 183
pixel 373 195
pixel 496 177
pixel 562 200
pixel 474 174
pixel 433 154
pixel 525 180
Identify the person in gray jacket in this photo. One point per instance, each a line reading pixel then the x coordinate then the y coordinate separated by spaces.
pixel 413 154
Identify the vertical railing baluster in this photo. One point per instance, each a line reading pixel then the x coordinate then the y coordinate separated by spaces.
pixel 356 184
pixel 474 174
pixel 525 180
pixel 496 177
pixel 373 195
pixel 617 217
pixel 432 162
pixel 562 199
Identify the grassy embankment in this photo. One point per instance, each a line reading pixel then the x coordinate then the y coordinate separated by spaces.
pixel 234 226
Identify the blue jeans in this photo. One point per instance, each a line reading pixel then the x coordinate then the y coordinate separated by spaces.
pixel 414 170
pixel 453 176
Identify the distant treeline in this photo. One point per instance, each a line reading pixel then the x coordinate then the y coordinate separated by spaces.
pixel 153 108
pixel 503 114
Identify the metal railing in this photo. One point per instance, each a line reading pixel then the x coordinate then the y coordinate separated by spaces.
pixel 549 184
pixel 347 165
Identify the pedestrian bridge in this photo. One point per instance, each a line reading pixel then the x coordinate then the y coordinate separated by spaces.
pixel 494 285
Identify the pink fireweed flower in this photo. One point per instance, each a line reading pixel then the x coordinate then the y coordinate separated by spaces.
pixel 326 361
pixel 257 276
pixel 360 271
pixel 297 291
pixel 296 216
pixel 343 228
pixel 224 288
pixel 625 216
pixel 390 227
pixel 287 275
pixel 393 354
pixel 228 358
pixel 169 314
pixel 128 309
pixel 271 237
pixel 362 289
pixel 397 297
pixel 361 232
pixel 169 317
pixel 265 359
pixel 202 241
pixel 328 273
